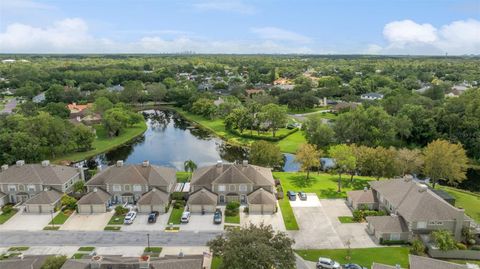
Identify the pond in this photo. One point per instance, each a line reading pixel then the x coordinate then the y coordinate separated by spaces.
pixel 170 140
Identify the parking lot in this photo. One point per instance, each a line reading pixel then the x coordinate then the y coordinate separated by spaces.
pixel 26 222
pixel 90 222
pixel 276 220
pixel 141 223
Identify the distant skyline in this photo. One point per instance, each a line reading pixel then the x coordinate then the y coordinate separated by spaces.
pixel 393 27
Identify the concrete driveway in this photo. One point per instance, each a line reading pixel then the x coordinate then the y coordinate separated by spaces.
pixel 123 251
pixel 353 232
pixel 199 222
pixel 316 229
pixel 141 223
pixel 51 250
pixel 90 222
pixel 26 222
pixel 276 220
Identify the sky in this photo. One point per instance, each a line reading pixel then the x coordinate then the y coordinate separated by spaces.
pixel 384 27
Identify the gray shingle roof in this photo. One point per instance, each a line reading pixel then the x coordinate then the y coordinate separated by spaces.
pixel 232 173
pixel 154 197
pixel 29 262
pixel 419 262
pixel 116 262
pixel 45 197
pixel 95 197
pixel 151 175
pixel 362 196
pixel 261 196
pixel 38 174
pixel 388 224
pixel 202 197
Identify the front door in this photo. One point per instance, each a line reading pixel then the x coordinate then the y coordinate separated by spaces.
pixel 243 199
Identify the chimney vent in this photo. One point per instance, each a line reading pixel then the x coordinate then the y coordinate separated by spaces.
pixel 4 167
pixel 20 162
pixel 245 163
pixel 45 163
pixel 119 163
pixel 146 163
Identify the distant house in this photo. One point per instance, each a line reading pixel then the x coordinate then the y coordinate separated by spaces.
pixel 371 96
pixel 421 262
pixel 39 98
pixel 205 86
pixel 116 88
pixel 414 209
pixel 83 114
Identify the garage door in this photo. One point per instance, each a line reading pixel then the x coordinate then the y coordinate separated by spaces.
pixel 84 209
pixel 149 208
pixel 261 209
pixel 198 208
pixel 34 209
pixel 99 209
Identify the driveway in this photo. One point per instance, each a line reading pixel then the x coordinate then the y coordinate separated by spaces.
pixel 10 106
pixel 353 232
pixel 26 222
pixel 90 222
pixel 51 250
pixel 276 220
pixel 316 229
pixel 199 222
pixel 123 251
pixel 141 223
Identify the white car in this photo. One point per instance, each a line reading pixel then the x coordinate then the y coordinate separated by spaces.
pixel 185 217
pixel 326 263
pixel 130 217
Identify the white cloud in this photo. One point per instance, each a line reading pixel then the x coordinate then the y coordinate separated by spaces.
pixel 72 36
pixel 409 37
pixel 274 33
pixel 235 6
pixel 10 5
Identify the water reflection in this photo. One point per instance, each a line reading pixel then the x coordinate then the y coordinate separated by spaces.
pixel 170 140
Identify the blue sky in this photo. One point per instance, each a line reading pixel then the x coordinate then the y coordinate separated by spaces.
pixel 241 26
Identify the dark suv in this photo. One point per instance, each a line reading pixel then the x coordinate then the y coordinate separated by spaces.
pixel 152 217
pixel 217 216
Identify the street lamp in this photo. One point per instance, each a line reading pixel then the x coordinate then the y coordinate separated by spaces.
pixel 148 242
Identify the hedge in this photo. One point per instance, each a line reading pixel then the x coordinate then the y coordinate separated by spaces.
pixel 260 137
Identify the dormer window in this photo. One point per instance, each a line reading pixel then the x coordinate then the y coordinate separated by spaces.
pixel 137 187
pixel 221 188
pixel 117 188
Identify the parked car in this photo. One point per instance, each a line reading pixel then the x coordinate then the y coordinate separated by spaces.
pixel 130 217
pixel 185 217
pixel 292 196
pixel 353 266
pixel 217 216
pixel 326 263
pixel 152 217
pixel 302 195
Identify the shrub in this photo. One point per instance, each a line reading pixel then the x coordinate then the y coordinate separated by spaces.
pixel 179 204
pixel 476 247
pixel 69 202
pixel 245 210
pixel 444 240
pixel 461 246
pixel 357 215
pixel 417 248
pixel 120 210
pixel 471 241
pixel 178 196
pixel 7 209
pixel 392 242
pixel 233 205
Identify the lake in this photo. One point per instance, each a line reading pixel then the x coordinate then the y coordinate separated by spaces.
pixel 170 140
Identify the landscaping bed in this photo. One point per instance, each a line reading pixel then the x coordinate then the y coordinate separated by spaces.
pixel 7 213
pixel 176 215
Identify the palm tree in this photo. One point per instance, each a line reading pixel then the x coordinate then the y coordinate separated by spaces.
pixel 189 166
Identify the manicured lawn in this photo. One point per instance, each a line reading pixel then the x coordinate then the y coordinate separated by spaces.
pixel 105 143
pixel 233 219
pixel 51 228
pixel 78 256
pixel 216 262
pixel 175 216
pixel 18 249
pixel 60 218
pixel 346 219
pixel 362 256
pixel 183 176
pixel 116 220
pixel 287 213
pixel 464 261
pixel 291 143
pixel 153 249
pixel 324 185
pixel 467 200
pixel 112 228
pixel 5 217
pixel 86 248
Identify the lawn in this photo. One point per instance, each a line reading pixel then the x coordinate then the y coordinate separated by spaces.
pixel 324 185
pixel 105 143
pixel 291 143
pixel 116 220
pixel 5 217
pixel 12 249
pixel 60 218
pixel 361 256
pixel 183 176
pixel 467 200
pixel 156 250
pixel 233 219
pixel 216 262
pixel 78 256
pixel 86 249
pixel 112 228
pixel 464 261
pixel 287 213
pixel 175 216
pixel 346 219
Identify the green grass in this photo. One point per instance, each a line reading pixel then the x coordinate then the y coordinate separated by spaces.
pixel 60 218
pixel 86 249
pixel 78 256
pixel 18 249
pixel 175 216
pixel 104 143
pixel 346 219
pixel 361 256
pixel 216 262
pixel 112 228
pixel 153 250
pixel 176 228
pixel 50 228
pixel 183 176
pixel 467 200
pixel 233 219
pixel 5 217
pixel 287 214
pixel 324 185
pixel 464 261
pixel 291 143
pixel 116 220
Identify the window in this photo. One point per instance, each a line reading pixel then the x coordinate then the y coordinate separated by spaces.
pixel 242 187
pixel 394 237
pixel 12 188
pixel 221 188
pixel 31 188
pixel 127 187
pixel 117 188
pixel 137 187
pixel 421 225
pixel 231 188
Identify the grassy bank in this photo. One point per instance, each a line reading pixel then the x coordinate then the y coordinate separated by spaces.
pixel 104 143
pixel 362 256
pixel 467 200
pixel 291 143
pixel 287 214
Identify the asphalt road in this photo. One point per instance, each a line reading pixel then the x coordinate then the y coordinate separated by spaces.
pixel 104 238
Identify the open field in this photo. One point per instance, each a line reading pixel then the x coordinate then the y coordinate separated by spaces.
pixel 468 200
